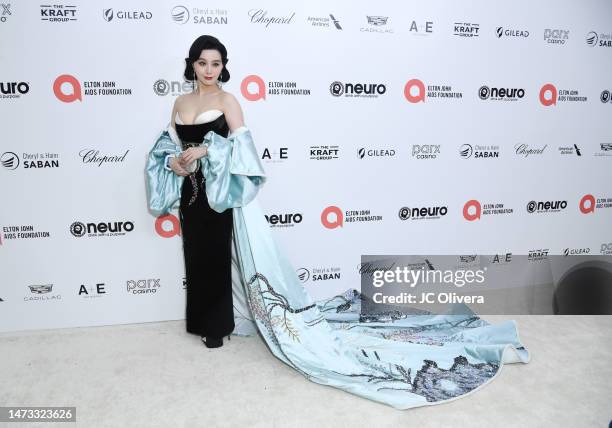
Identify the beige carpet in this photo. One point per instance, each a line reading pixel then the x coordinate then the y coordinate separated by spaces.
pixel 157 375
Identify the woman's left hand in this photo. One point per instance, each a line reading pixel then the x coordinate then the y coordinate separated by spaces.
pixel 192 154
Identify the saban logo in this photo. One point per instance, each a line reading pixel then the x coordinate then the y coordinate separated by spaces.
pixel 9 160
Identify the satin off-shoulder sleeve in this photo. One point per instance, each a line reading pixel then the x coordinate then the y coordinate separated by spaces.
pixel 232 169
pixel 163 185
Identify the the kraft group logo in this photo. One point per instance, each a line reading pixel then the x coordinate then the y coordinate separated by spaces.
pixel 331 217
pixel 414 91
pixel 64 82
pixel 168 226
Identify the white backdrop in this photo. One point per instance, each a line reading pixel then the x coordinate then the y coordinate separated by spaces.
pixel 52 278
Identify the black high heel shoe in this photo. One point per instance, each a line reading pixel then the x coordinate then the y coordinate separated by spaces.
pixel 212 342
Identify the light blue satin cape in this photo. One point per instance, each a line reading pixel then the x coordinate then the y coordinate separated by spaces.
pixel 406 362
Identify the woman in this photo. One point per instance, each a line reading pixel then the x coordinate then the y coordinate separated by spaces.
pixel 206 234
pixel 410 361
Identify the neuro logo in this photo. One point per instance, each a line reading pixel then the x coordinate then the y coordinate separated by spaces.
pixel 366 90
pixel 336 88
pixel 161 87
pixel 248 83
pixel 501 94
pixel 67 81
pixel 483 92
pixel 78 229
pixel 331 217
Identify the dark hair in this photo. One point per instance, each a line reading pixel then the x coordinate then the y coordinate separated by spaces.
pixel 201 43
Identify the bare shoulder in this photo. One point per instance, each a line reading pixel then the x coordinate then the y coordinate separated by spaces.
pixel 229 100
pixel 180 99
pixel 232 109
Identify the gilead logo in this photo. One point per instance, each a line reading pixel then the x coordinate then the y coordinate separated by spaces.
pixel 336 217
pixel 165 220
pixel 548 94
pixel 420 89
pixel 472 210
pixel 61 83
pixel 261 88
pixel 587 204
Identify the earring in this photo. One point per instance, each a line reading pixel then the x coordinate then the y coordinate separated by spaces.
pixel 195 82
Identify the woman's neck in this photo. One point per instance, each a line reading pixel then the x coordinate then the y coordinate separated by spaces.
pixel 204 90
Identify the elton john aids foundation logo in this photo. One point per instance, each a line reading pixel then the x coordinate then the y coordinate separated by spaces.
pixel 67 88
pixel 550 95
pixel 472 210
pixel 253 82
pixel 331 217
pixel 167 226
pixel 589 203
pixel 414 91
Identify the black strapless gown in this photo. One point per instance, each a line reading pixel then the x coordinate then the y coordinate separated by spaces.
pixel 207 240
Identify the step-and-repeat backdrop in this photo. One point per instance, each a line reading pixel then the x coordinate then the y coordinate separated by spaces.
pixel 385 128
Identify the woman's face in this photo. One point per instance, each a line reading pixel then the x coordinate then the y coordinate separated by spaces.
pixel 208 67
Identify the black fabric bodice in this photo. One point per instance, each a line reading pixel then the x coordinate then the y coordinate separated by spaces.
pixel 194 134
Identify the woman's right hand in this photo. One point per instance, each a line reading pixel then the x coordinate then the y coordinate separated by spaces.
pixel 175 166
